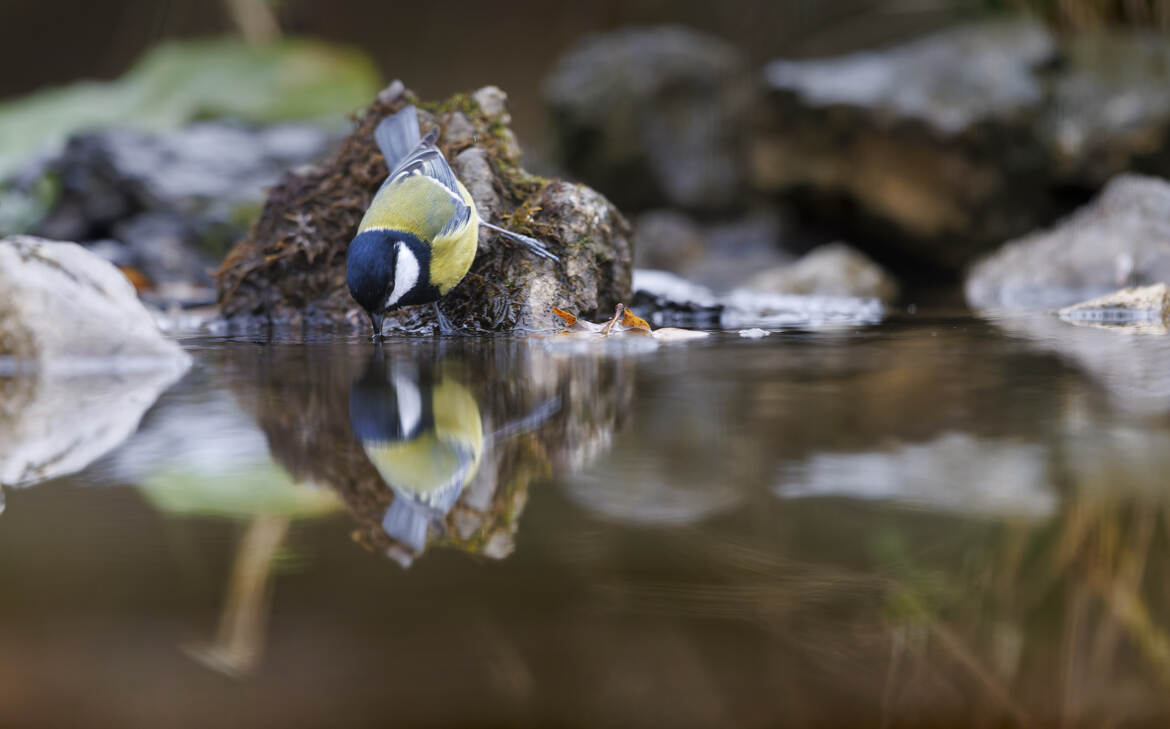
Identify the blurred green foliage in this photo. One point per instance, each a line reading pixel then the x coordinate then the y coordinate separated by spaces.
pixel 178 82
pixel 263 490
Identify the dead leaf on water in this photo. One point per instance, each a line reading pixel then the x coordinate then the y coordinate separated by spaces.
pixel 625 322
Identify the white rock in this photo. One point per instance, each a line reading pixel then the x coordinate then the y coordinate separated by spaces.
pixel 82 359
pixel 65 310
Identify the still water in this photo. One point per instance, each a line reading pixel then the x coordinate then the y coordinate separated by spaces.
pixel 936 521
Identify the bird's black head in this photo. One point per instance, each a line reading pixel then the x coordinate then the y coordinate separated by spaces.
pixel 369 269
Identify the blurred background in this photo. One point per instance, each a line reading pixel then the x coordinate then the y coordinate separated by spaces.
pixel 914 136
pixel 437 51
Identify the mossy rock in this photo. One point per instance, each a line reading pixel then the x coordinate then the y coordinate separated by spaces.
pixel 291 267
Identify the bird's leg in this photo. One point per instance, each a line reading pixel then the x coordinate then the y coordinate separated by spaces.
pixel 376 322
pixel 445 327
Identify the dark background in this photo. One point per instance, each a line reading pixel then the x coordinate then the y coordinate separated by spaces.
pixel 441 48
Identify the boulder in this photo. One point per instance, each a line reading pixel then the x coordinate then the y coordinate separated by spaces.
pixel 653 116
pixel 835 269
pixel 1122 238
pixel 66 310
pixel 669 300
pixel 291 267
pixel 81 359
pixel 939 149
pixel 1142 306
pixel 721 253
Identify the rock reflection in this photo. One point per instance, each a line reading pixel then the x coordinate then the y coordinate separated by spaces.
pixel 432 443
pixel 51 426
pixel 1129 362
pixel 954 473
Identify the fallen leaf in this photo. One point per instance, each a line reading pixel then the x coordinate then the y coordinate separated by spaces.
pixel 623 321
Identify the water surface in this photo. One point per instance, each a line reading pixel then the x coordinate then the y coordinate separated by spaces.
pixel 937 521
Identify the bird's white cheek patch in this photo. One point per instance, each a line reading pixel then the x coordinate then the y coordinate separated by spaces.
pixel 405 274
pixel 409 405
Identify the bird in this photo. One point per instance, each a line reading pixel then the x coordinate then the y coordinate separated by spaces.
pixel 419 235
pixel 422 429
pixel 423 432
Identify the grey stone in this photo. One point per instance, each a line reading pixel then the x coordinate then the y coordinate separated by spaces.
pixel 458 129
pixel 948 145
pixel 835 269
pixel 719 254
pixel 666 299
pixel 474 170
pixel 65 309
pixel 653 116
pixel 668 240
pixel 493 102
pixel 178 199
pixel 1145 305
pixel 1122 238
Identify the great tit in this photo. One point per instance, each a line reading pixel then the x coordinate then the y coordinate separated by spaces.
pixel 425 439
pixel 419 236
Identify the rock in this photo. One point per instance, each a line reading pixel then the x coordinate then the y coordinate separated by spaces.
pixel 65 309
pixel 830 270
pixel 668 240
pixel 940 149
pixel 291 268
pixel 653 116
pixel 1110 107
pixel 1148 305
pixel 177 199
pixel 1122 238
pixel 665 299
pixel 719 254
pixel 927 141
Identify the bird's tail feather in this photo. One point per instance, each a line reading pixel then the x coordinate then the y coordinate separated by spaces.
pixel 398 135
pixel 531 244
pixel 406 523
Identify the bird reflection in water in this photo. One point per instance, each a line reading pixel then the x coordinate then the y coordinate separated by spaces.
pixel 423 431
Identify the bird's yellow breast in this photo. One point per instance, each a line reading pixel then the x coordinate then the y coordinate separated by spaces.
pixel 423 207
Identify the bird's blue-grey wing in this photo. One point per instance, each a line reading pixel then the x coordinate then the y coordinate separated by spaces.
pixel 397 136
pixel 427 161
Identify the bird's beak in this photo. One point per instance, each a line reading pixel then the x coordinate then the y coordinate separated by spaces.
pixel 376 322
